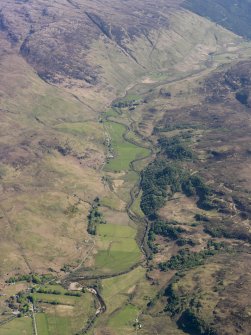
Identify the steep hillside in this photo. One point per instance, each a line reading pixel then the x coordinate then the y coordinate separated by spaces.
pixel 108 46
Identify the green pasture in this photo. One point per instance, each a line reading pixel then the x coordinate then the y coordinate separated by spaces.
pixel 18 326
pixel 124 318
pixel 68 317
pixel 117 290
pixel 42 324
pixel 124 151
pixel 118 249
pixel 52 324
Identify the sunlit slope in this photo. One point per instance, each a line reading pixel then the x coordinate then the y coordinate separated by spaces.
pixel 39 226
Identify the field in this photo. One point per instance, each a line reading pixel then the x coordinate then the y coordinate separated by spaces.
pixel 124 151
pixel 117 290
pixel 118 250
pixel 126 296
pixel 124 318
pixel 20 326
pixel 42 324
pixel 51 323
pixel 67 316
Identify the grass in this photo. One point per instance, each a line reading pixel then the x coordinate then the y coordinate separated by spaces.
pixel 125 152
pixel 129 179
pixel 111 112
pixel 42 324
pixel 125 296
pixel 136 206
pixel 57 325
pixel 116 290
pixel 65 319
pixel 112 202
pixel 20 326
pixel 135 138
pixel 91 130
pixel 118 249
pixel 116 231
pixel 60 299
pixel 124 318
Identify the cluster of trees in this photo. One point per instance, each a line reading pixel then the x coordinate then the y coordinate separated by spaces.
pixel 19 302
pixel 162 179
pixel 228 229
pixel 243 97
pixel 171 127
pixel 126 103
pixel 159 180
pixel 33 278
pixel 186 306
pixel 166 229
pixel 95 217
pixel 173 148
pixel 45 290
pixel 195 185
pixel 192 324
pixel 73 294
pixel 186 259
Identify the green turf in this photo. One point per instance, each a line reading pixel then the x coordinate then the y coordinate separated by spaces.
pixel 116 290
pixel 66 318
pixel 118 249
pixel 20 326
pixel 59 325
pixel 111 112
pixel 116 231
pixel 42 324
pixel 125 152
pixel 124 318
